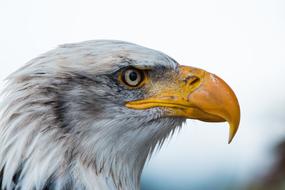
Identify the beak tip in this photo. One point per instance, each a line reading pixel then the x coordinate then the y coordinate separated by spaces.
pixel 230 140
pixel 233 131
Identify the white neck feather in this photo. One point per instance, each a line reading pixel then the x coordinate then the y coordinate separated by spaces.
pixel 112 159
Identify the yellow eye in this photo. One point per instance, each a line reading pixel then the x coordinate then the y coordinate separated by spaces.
pixel 132 77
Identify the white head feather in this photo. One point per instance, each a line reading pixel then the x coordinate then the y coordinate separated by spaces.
pixel 63 124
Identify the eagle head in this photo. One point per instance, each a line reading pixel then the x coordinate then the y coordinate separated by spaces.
pixel 87 115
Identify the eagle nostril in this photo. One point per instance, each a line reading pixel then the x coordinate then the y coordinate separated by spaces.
pixel 191 80
pixel 194 80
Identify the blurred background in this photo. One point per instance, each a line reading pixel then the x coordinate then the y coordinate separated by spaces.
pixel 241 41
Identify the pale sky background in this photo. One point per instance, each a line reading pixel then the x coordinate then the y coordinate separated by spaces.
pixel 241 41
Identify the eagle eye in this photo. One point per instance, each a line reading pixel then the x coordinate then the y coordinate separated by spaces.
pixel 132 77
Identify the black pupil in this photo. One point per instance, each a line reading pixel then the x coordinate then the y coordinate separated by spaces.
pixel 133 76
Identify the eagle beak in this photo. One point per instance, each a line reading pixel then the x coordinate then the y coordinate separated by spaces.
pixel 196 94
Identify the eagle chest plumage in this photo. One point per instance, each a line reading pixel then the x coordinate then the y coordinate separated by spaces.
pixel 87 115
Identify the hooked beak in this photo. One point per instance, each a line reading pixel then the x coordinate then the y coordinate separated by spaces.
pixel 196 94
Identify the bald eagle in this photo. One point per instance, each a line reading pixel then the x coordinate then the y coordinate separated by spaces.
pixel 87 115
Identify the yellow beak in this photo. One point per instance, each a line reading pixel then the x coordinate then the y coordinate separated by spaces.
pixel 196 94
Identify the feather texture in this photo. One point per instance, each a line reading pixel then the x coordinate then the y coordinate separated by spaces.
pixel 64 125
